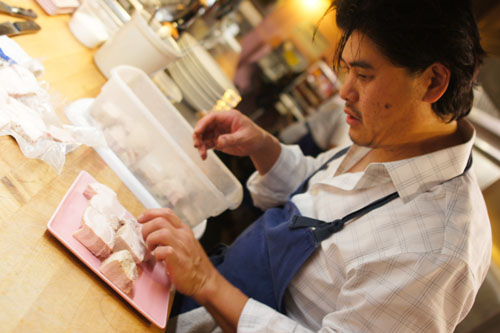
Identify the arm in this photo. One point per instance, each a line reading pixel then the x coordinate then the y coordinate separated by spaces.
pixel 189 268
pixel 233 133
pixel 407 291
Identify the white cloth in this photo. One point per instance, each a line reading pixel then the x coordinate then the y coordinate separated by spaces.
pixel 414 264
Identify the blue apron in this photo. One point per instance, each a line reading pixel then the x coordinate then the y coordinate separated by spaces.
pixel 262 261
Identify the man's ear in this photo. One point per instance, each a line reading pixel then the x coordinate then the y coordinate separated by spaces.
pixel 437 78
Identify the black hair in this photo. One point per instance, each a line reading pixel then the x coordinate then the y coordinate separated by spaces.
pixel 414 34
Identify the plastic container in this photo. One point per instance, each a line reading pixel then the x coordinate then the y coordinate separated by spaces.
pixel 137 44
pixel 154 141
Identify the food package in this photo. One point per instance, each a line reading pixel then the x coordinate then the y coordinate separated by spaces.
pixel 27 114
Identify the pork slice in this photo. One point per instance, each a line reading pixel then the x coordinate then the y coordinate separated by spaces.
pixel 129 237
pixel 121 269
pixel 108 205
pixel 96 188
pixel 96 233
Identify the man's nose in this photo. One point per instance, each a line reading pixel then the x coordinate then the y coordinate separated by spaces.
pixel 348 91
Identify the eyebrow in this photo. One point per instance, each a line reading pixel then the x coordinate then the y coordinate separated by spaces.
pixel 359 63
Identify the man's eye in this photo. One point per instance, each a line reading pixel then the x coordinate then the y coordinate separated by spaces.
pixel 363 76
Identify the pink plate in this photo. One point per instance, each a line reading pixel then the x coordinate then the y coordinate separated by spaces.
pixel 151 290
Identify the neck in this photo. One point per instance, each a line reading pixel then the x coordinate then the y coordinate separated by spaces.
pixel 447 135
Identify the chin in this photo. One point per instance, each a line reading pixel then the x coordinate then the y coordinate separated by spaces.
pixel 359 141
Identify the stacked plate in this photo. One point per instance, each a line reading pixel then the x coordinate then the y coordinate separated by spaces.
pixel 56 7
pixel 198 75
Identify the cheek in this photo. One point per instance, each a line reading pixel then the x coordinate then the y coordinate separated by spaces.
pixel 375 108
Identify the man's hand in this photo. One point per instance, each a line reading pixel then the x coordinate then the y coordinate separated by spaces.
pixel 189 268
pixel 233 133
pixel 172 241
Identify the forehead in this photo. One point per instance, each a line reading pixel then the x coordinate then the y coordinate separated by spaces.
pixel 360 48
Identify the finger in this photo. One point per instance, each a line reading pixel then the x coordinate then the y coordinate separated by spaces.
pixel 201 147
pixel 153 225
pixel 224 141
pixel 228 140
pixel 161 237
pixel 150 214
pixel 203 124
pixel 166 213
pixel 163 252
pixel 203 152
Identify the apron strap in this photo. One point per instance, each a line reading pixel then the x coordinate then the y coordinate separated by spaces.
pixel 302 188
pixel 322 230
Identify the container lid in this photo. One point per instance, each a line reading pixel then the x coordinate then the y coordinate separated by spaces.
pixel 87 29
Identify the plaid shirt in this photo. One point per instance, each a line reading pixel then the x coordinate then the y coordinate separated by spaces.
pixel 415 264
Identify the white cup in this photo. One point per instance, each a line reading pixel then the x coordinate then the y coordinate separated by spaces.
pixel 137 44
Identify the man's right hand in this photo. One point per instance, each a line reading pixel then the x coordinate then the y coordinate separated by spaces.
pixel 233 133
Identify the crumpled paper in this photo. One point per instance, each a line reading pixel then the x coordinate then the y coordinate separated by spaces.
pixel 27 114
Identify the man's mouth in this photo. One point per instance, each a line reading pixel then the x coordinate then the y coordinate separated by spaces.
pixel 353 115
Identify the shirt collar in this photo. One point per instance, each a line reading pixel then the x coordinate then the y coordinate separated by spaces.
pixel 415 175
pixel 421 173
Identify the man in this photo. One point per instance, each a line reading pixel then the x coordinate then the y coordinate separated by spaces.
pixel 391 235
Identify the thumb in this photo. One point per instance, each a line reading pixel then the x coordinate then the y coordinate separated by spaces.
pixel 224 141
pixel 163 253
pixel 229 140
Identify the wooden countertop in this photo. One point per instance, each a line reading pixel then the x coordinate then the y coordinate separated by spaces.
pixel 43 287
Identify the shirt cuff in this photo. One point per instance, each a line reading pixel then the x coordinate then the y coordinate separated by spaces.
pixel 258 317
pixel 277 176
pixel 278 183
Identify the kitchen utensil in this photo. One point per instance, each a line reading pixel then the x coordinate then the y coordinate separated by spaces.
pixel 17 11
pixel 18 28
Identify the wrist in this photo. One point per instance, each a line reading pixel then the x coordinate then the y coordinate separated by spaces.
pixel 209 289
pixel 266 154
pixel 223 301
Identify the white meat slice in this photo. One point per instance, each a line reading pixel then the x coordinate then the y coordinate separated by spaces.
pixel 129 237
pixel 95 188
pixel 121 269
pixel 108 205
pixel 96 234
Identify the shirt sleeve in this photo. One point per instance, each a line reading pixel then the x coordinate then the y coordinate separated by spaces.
pixel 258 317
pixel 407 292
pixel 289 171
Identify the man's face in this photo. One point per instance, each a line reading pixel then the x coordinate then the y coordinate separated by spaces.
pixel 382 100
